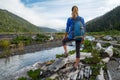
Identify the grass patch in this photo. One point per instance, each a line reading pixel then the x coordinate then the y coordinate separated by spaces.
pixel 106 45
pixel 34 74
pixel 88 46
pixel 22 78
pixel 62 55
pixel 71 52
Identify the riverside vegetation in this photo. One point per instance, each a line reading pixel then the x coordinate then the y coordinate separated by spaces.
pixel 8 46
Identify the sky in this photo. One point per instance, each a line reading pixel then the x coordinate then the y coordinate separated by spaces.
pixel 54 13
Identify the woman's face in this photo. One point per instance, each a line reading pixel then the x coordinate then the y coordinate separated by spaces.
pixel 75 9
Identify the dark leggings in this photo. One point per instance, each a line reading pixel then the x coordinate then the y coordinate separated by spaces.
pixel 77 42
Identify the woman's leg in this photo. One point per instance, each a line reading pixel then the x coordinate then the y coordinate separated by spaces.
pixel 64 41
pixel 77 53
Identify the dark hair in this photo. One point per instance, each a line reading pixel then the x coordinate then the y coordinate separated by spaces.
pixel 74 7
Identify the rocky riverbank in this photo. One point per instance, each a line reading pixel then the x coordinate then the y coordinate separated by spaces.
pixel 95 65
pixel 33 48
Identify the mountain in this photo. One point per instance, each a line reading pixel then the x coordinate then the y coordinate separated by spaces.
pixel 45 29
pixel 10 22
pixel 108 21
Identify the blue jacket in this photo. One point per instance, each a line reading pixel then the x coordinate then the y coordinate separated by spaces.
pixel 69 25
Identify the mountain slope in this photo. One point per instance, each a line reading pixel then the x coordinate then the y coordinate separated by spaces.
pixel 109 21
pixel 13 23
pixel 46 29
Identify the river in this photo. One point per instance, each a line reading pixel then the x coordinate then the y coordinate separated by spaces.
pixel 12 64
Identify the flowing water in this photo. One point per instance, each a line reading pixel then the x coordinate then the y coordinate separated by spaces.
pixel 12 64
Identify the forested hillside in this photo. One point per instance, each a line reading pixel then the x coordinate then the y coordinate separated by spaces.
pixel 109 21
pixel 13 23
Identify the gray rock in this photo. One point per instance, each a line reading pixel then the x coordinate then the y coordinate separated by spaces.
pixel 58 64
pixel 81 74
pixel 109 51
pixel 91 38
pixel 87 72
pixel 106 60
pixel 73 75
pixel 98 46
pixel 108 38
pixel 101 76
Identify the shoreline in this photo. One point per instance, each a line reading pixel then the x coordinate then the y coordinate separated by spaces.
pixel 34 48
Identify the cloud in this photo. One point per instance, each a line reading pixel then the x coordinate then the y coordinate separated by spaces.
pixel 54 13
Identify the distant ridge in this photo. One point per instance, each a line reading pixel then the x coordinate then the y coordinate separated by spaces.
pixel 109 21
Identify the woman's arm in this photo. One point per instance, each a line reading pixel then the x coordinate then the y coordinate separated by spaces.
pixel 67 28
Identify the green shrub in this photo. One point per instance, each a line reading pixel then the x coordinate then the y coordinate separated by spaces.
pixel 34 74
pixel 116 52
pixel 41 37
pixel 22 78
pixel 87 46
pixel 26 40
pixel 5 43
pixel 49 79
pixel 72 52
pixel 60 55
pixel 106 45
pixel 63 55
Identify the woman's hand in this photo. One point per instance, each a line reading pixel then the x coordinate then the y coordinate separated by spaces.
pixel 65 36
pixel 82 41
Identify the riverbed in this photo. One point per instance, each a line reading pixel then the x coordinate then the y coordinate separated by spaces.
pixel 10 65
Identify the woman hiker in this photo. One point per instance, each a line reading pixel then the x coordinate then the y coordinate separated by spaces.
pixel 68 35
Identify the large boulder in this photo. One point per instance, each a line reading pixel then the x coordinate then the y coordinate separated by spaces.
pixel 58 64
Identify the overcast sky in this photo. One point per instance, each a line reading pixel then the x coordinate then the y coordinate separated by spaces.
pixel 54 13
